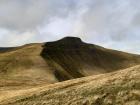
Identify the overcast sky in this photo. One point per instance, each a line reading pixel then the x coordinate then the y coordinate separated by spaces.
pixel 109 23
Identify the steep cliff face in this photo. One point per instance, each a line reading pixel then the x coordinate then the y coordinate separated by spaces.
pixel 71 58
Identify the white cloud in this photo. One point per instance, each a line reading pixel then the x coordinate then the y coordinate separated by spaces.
pixel 110 23
pixel 22 15
pixel 14 38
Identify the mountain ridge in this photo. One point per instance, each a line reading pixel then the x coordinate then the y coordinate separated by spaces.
pixel 68 72
pixel 61 60
pixel 70 55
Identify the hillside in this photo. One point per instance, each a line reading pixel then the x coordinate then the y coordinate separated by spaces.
pixel 65 59
pixel 116 88
pixel 24 66
pixel 71 58
pixel 28 74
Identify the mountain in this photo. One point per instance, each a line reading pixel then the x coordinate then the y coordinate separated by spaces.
pixel 68 72
pixel 71 58
pixel 65 59
pixel 115 88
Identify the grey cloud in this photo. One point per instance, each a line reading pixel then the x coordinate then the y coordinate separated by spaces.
pixel 24 15
pixel 136 20
pixel 104 22
pixel 112 19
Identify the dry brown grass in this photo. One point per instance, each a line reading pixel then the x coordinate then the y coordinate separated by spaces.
pixel 25 75
pixel 117 88
pixel 24 66
pixel 62 61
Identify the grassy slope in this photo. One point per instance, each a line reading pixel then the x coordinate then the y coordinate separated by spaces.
pixel 117 88
pixel 71 58
pixel 23 70
pixel 24 66
pixel 63 60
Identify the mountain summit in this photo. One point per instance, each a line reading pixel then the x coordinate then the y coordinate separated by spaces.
pixel 71 58
pixel 24 70
pixel 69 39
pixel 61 60
pixel 65 43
